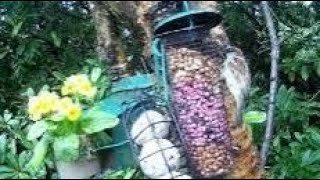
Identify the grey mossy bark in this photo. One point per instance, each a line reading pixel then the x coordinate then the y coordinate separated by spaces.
pixel 109 47
pixel 275 51
pixel 101 18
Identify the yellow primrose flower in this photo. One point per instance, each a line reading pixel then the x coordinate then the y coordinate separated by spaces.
pixel 64 104
pixel 77 79
pixel 68 89
pixel 34 108
pixel 87 90
pixel 74 112
pixel 32 104
pixel 79 84
pixel 43 104
pixel 48 101
pixel 34 111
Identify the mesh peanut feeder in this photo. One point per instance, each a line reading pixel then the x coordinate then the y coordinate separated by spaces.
pixel 188 66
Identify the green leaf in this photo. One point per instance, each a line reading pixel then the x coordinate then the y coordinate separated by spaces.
pixel 313 158
pixel 305 73
pixel 57 118
pixel 96 121
pixel 37 130
pixel 24 157
pixel 3 148
pixel 56 39
pixel 318 69
pixel 39 154
pixel 7 175
pixel 30 92
pixel 292 76
pixel 23 176
pixel 12 161
pixel 59 76
pixel 276 142
pixel 7 116
pixel 129 174
pixel 315 136
pixel 3 54
pixel 306 159
pixel 298 136
pixel 5 169
pixel 95 74
pixel 16 29
pixel 255 117
pixel 67 148
pixel 45 88
pixel 20 49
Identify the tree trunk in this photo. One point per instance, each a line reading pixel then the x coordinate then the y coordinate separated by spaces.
pixel 101 17
pixel 109 47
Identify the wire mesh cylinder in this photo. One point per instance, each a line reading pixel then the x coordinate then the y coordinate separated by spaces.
pixel 193 63
pixel 161 155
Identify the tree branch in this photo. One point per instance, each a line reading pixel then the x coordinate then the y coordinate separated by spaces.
pixel 275 51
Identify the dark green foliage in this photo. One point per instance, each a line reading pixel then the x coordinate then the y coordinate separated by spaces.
pixel 37 39
pixel 123 174
pixel 39 42
pixel 13 156
pixel 296 156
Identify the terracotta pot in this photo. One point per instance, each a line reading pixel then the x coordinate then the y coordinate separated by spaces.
pixel 83 168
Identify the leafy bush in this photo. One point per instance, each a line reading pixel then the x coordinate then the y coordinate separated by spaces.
pixel 294 111
pixel 297 155
pixel 15 150
pixel 37 39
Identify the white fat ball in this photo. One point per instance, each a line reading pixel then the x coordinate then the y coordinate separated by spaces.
pixel 150 125
pixel 153 160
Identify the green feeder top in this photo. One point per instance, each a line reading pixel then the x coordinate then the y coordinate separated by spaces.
pixel 186 18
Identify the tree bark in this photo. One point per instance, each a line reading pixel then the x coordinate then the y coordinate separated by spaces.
pixel 101 18
pixel 275 51
pixel 109 46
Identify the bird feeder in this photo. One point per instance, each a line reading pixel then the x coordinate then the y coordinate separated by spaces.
pixel 188 67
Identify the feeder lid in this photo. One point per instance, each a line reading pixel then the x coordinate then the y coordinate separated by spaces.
pixel 187 20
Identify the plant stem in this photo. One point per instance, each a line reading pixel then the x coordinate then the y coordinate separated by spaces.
pixel 275 51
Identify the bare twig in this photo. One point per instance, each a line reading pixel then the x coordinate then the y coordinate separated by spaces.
pixel 275 51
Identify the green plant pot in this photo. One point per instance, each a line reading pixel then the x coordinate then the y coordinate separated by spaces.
pixel 83 168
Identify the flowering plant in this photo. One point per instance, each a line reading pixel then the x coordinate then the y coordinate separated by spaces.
pixel 62 119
